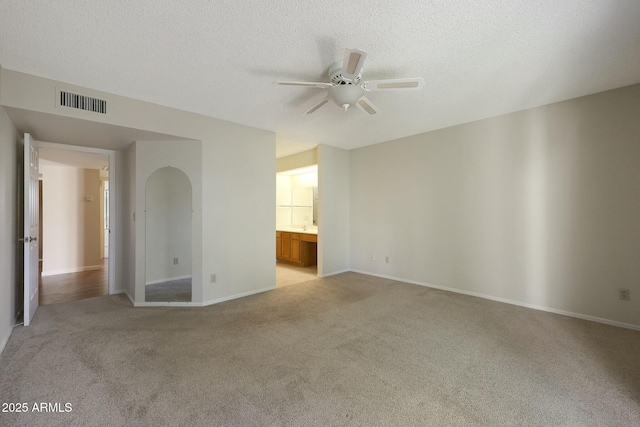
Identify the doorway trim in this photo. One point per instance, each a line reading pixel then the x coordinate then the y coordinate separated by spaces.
pixel 111 154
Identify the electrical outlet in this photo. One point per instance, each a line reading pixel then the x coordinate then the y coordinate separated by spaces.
pixel 175 261
pixel 623 294
pixel 386 259
pixel 214 278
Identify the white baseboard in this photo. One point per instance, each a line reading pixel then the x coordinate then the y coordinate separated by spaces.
pixel 71 270
pixel 200 304
pixel 508 301
pixel 243 294
pixel 168 279
pixel 333 273
pixel 167 304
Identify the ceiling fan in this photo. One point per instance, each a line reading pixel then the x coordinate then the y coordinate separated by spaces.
pixel 346 87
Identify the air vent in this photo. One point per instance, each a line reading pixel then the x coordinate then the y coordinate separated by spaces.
pixel 81 102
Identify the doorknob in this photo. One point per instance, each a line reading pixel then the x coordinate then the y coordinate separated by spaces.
pixel 33 239
pixel 23 239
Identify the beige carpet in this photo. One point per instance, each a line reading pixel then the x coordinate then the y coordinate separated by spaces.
pixel 345 350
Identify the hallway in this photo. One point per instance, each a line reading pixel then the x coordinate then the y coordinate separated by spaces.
pixel 74 286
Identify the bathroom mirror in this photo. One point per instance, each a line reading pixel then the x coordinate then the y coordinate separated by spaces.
pixel 168 229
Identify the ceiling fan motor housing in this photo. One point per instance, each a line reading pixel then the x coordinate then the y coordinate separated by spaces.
pixel 335 75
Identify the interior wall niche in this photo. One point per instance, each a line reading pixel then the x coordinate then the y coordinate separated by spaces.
pixel 168 233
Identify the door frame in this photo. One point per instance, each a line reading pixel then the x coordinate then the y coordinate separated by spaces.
pixel 111 154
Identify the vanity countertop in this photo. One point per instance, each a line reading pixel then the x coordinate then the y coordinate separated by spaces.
pixel 298 230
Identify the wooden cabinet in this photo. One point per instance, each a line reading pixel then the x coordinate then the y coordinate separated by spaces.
pixel 286 246
pixel 278 244
pixel 297 248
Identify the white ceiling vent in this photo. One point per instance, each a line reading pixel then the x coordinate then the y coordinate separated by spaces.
pixel 81 102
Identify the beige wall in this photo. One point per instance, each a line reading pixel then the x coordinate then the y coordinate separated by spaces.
pixel 92 214
pixel 538 207
pixel 237 193
pixel 9 147
pixel 333 210
pixel 70 219
pixel 299 160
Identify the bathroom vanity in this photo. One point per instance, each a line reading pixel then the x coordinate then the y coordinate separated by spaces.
pixel 297 247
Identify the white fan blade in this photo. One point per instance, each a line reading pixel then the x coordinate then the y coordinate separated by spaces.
pixel 365 105
pixel 318 85
pixel 411 83
pixel 317 106
pixel 352 63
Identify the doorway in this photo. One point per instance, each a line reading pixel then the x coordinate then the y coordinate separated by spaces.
pixel 296 226
pixel 74 211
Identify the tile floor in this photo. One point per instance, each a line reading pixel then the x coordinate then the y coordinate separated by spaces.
pixel 287 274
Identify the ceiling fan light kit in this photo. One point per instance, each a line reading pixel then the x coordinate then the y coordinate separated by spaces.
pixel 346 95
pixel 347 88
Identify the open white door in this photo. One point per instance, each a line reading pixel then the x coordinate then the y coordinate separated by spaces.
pixel 31 229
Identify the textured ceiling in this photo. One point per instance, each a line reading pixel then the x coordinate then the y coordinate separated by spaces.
pixel 219 58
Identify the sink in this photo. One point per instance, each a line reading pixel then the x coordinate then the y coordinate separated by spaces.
pixel 298 230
